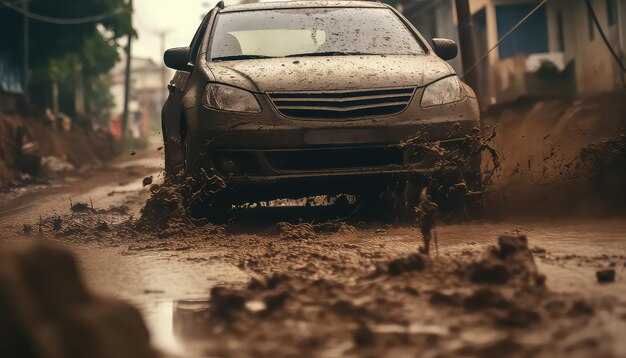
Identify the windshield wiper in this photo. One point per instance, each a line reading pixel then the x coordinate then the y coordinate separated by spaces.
pixel 329 53
pixel 239 57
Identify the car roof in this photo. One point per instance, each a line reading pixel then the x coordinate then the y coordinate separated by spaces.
pixel 299 4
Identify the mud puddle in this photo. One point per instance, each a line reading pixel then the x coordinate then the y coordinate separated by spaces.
pixel 161 284
pixel 174 326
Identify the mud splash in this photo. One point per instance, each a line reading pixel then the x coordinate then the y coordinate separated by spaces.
pixel 474 159
pixel 559 157
pixel 170 209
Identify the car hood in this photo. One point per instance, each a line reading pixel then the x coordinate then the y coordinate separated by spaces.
pixel 330 72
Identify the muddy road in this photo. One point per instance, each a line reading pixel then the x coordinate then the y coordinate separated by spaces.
pixel 335 289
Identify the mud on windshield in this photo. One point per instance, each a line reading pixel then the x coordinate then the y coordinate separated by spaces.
pixel 311 32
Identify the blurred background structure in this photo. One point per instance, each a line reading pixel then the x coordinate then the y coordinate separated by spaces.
pixel 558 51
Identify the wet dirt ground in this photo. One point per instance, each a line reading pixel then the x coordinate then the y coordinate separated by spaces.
pixel 332 291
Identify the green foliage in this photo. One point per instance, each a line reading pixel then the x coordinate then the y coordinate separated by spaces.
pixel 56 49
pixel 55 41
pixel 99 98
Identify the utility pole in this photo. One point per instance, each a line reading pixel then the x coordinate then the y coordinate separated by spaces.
pixel 26 54
pixel 620 28
pixel 128 72
pixel 466 37
pixel 79 91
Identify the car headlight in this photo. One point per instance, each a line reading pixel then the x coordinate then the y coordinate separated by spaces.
pixel 227 98
pixel 444 91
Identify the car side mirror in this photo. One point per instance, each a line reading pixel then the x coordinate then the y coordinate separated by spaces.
pixel 445 48
pixel 178 59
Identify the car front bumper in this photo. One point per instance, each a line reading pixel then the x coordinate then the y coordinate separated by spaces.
pixel 256 152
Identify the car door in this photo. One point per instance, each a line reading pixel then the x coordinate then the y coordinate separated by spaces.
pixel 172 108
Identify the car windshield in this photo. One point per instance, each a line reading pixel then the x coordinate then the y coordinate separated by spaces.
pixel 311 32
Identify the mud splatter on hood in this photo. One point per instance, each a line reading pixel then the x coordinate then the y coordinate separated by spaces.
pixel 331 72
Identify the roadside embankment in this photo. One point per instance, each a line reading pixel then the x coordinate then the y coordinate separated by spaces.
pixel 44 148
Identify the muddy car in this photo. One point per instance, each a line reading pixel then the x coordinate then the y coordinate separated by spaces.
pixel 301 98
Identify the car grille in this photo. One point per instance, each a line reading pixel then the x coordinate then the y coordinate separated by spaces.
pixel 342 105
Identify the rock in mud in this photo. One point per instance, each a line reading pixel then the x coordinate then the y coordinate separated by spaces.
pixel 225 302
pixel 484 299
pixel 606 276
pixel 518 318
pixel 412 263
pixel 47 311
pixel 510 260
pixel 581 307
pixel 276 301
pixel 363 336
pixel 510 245
pixel 446 298
pixel 102 226
pixel 57 223
pixel 486 272
pixel 147 181
pixel 81 208
pixel 53 166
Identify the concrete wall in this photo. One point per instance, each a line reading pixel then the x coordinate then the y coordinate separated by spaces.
pixel 596 70
pixel 593 69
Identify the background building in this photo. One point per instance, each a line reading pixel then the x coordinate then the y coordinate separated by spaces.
pixel 558 51
pixel 147 93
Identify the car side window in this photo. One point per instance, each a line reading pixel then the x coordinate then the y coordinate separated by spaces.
pixel 197 38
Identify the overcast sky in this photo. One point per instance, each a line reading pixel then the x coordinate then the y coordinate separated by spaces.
pixel 179 18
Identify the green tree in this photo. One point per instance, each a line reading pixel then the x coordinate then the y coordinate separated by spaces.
pixel 56 49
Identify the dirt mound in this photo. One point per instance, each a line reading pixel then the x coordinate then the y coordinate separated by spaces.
pixel 445 307
pixel 24 141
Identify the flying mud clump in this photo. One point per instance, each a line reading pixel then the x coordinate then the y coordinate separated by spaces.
pixel 474 158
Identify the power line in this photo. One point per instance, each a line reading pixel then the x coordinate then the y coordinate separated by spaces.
pixel 14 2
pixel 513 29
pixel 60 21
pixel 603 35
